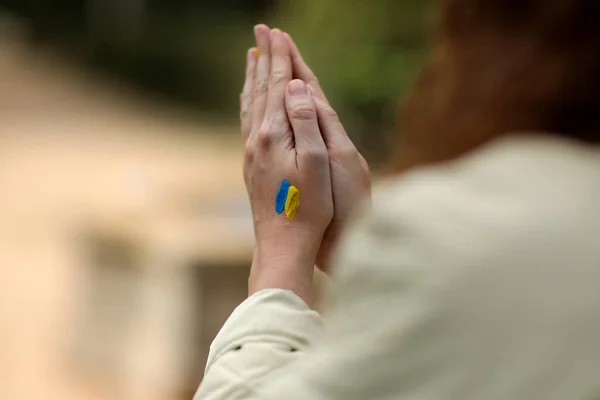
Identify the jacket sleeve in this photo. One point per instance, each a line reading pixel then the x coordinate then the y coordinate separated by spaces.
pixel 272 346
pixel 265 333
pixel 439 292
pixel 385 330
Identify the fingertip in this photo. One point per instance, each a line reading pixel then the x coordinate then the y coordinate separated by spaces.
pixel 261 33
pixel 278 42
pixel 260 27
pixel 297 87
pixel 252 54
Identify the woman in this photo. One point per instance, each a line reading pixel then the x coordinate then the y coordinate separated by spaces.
pixel 474 274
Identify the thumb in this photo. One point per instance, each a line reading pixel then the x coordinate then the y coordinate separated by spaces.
pixel 302 114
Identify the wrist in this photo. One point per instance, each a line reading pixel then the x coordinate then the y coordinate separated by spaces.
pixel 285 260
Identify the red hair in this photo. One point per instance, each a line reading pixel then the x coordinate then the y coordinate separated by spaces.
pixel 500 67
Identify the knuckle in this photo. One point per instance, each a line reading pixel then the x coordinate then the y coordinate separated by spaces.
pixel 330 112
pixel 303 111
pixel 277 119
pixel 277 77
pixel 245 113
pixel 264 138
pixel 261 86
pixel 249 152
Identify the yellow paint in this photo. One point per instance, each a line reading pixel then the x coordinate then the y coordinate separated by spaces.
pixel 292 202
pixel 255 53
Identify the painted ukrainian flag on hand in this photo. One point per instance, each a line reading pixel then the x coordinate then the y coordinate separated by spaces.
pixel 287 199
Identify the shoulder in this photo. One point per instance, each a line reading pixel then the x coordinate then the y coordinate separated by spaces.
pixel 460 269
pixel 483 205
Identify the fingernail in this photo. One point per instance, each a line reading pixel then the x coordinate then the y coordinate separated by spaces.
pixel 274 33
pixel 259 32
pixel 297 88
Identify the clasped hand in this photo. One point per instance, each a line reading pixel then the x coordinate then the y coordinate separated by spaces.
pixel 291 133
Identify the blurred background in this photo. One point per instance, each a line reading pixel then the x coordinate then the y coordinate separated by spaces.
pixel 125 232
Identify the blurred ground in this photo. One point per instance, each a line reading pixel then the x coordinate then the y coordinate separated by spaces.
pixel 79 158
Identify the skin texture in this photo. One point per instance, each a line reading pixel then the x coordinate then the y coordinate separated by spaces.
pixel 283 141
pixel 291 132
pixel 350 176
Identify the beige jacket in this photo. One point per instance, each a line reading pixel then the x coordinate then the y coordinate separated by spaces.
pixel 476 280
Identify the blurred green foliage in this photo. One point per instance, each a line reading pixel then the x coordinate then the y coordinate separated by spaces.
pixel 193 51
pixel 365 53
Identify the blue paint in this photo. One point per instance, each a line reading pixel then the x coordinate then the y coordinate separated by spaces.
pixel 281 197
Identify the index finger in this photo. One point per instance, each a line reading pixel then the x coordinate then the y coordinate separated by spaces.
pixel 281 74
pixel 301 69
pixel 261 76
